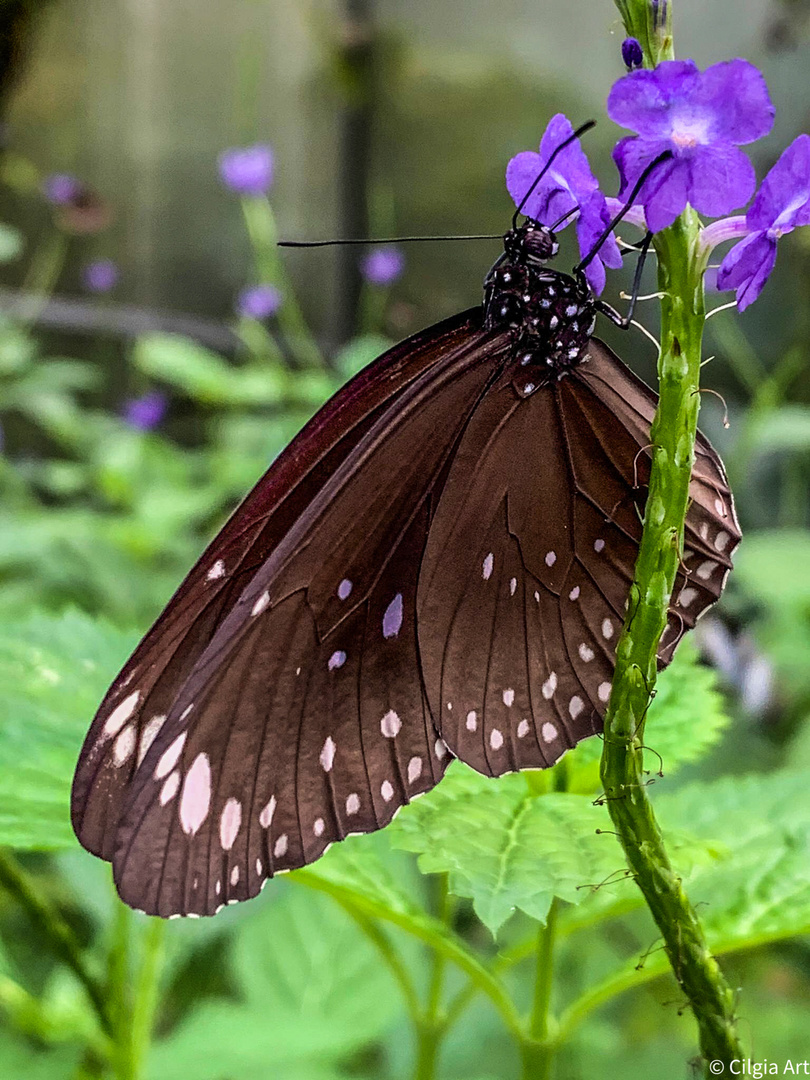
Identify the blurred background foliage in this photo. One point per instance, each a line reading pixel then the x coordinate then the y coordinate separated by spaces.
pixel 139 403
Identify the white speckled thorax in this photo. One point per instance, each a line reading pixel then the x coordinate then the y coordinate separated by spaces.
pixel 551 315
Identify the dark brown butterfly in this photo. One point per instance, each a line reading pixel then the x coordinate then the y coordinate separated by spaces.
pixel 437 565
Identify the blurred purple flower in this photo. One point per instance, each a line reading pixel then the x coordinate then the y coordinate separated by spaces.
pixel 61 188
pixel 701 118
pixel 247 170
pixel 632 55
pixel 147 411
pixel 569 187
pixel 100 276
pixel 782 204
pixel 258 301
pixel 382 266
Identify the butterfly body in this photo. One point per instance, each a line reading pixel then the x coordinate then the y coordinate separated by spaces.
pixel 437 565
pixel 550 315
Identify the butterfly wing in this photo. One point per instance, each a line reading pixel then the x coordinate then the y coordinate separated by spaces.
pixel 303 719
pixel 531 555
pixel 135 708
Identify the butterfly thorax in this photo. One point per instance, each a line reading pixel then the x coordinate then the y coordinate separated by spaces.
pixel 550 315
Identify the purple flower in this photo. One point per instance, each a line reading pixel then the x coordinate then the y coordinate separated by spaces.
pixel 100 276
pixel 569 187
pixel 247 170
pixel 701 118
pixel 147 411
pixel 632 55
pixel 258 301
pixel 782 204
pixel 382 266
pixel 61 189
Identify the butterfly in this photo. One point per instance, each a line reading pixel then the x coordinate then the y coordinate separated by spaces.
pixel 436 567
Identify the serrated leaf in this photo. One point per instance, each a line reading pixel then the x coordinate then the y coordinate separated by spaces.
pixel 53 673
pixel 313 988
pixel 504 847
pixel 685 719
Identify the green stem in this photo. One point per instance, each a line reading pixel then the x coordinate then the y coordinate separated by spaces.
pixel 433 1025
pixel 117 990
pixel 56 931
pixel 145 994
pixel 539 1048
pixel 41 276
pixel 432 933
pixel 270 269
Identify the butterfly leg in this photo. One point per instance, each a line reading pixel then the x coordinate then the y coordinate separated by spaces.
pixel 624 321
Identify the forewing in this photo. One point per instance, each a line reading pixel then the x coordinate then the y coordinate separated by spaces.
pixel 304 719
pixel 135 708
pixel 530 559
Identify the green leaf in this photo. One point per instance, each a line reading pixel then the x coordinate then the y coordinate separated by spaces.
pixel 53 673
pixel 313 989
pixel 786 428
pixel 761 891
pixel 773 567
pixel 685 720
pixel 506 848
pixel 193 369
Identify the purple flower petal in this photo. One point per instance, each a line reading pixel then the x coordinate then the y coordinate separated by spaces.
pixel 258 301
pixel 571 164
pixel 61 188
pixel 247 170
pixel 147 411
pixel 641 101
pixel 783 200
pixel 382 266
pixel 746 268
pixel 632 54
pixel 100 276
pixel 736 95
pixel 664 194
pixel 590 226
pixel 721 179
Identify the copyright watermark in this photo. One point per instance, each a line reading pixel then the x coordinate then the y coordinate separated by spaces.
pixel 757 1069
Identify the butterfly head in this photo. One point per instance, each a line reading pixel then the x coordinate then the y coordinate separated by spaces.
pixel 531 244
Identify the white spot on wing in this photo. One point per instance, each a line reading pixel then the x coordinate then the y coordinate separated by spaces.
pixel 266 816
pixel 216 571
pixel 390 724
pixel 337 659
pixel 168 758
pixel 575 706
pixel 327 758
pixel 440 748
pixel 599 545
pixel 235 876
pixel 261 604
pixel 687 596
pixel 170 786
pixel 604 691
pixel 353 803
pixel 586 653
pixel 574 594
pixel 551 558
pixel 489 563
pixel 495 739
pixel 512 586
pixel 387 791
pixel 721 540
pixel 124 744
pixel 607 629
pixel 472 720
pixel 508 697
pixel 705 570
pixel 196 798
pixel 149 734
pixel 549 732
pixel 549 686
pixel 281 846
pixel 414 769
pixel 523 729
pixel 392 619
pixel 319 826
pixel 229 823
pixel 121 713
pixel 344 589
